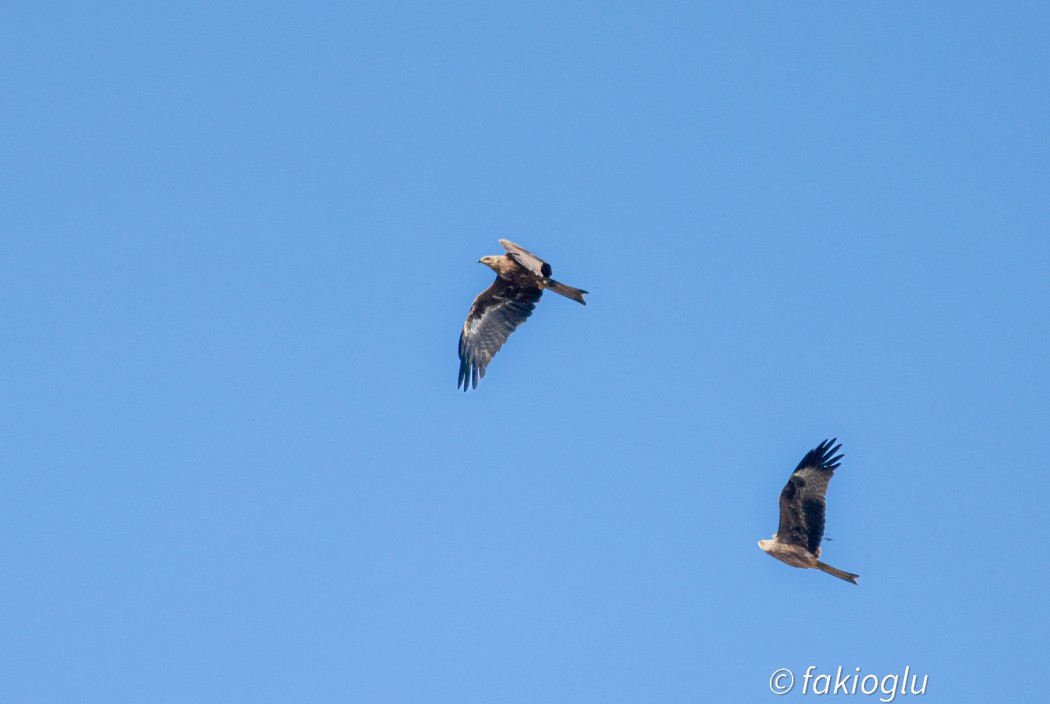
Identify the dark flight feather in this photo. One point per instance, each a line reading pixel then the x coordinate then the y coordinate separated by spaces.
pixel 803 500
pixel 496 313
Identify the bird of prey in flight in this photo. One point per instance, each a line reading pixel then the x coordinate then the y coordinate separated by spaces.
pixel 521 277
pixel 802 505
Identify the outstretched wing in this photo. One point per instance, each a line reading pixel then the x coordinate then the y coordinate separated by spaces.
pixel 802 502
pixel 496 312
pixel 527 259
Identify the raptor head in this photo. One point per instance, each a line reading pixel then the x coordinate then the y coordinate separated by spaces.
pixel 492 262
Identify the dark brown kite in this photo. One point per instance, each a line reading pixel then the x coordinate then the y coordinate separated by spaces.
pixel 521 277
pixel 802 508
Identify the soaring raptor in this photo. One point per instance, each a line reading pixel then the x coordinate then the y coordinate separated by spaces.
pixel 802 504
pixel 521 277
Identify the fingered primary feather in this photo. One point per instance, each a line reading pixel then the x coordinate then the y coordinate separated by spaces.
pixel 803 503
pixel 495 314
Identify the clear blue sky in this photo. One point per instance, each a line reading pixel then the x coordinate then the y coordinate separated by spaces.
pixel 239 241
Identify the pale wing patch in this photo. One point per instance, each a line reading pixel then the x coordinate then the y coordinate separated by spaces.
pixel 496 313
pixel 527 259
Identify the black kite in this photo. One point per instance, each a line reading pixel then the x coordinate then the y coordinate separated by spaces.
pixel 802 508
pixel 521 277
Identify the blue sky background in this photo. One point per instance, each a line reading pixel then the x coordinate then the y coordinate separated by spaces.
pixel 240 239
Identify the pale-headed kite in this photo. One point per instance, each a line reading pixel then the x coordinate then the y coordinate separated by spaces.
pixel 802 508
pixel 521 277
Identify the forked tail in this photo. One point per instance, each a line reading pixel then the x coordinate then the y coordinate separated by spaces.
pixel 848 576
pixel 575 294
